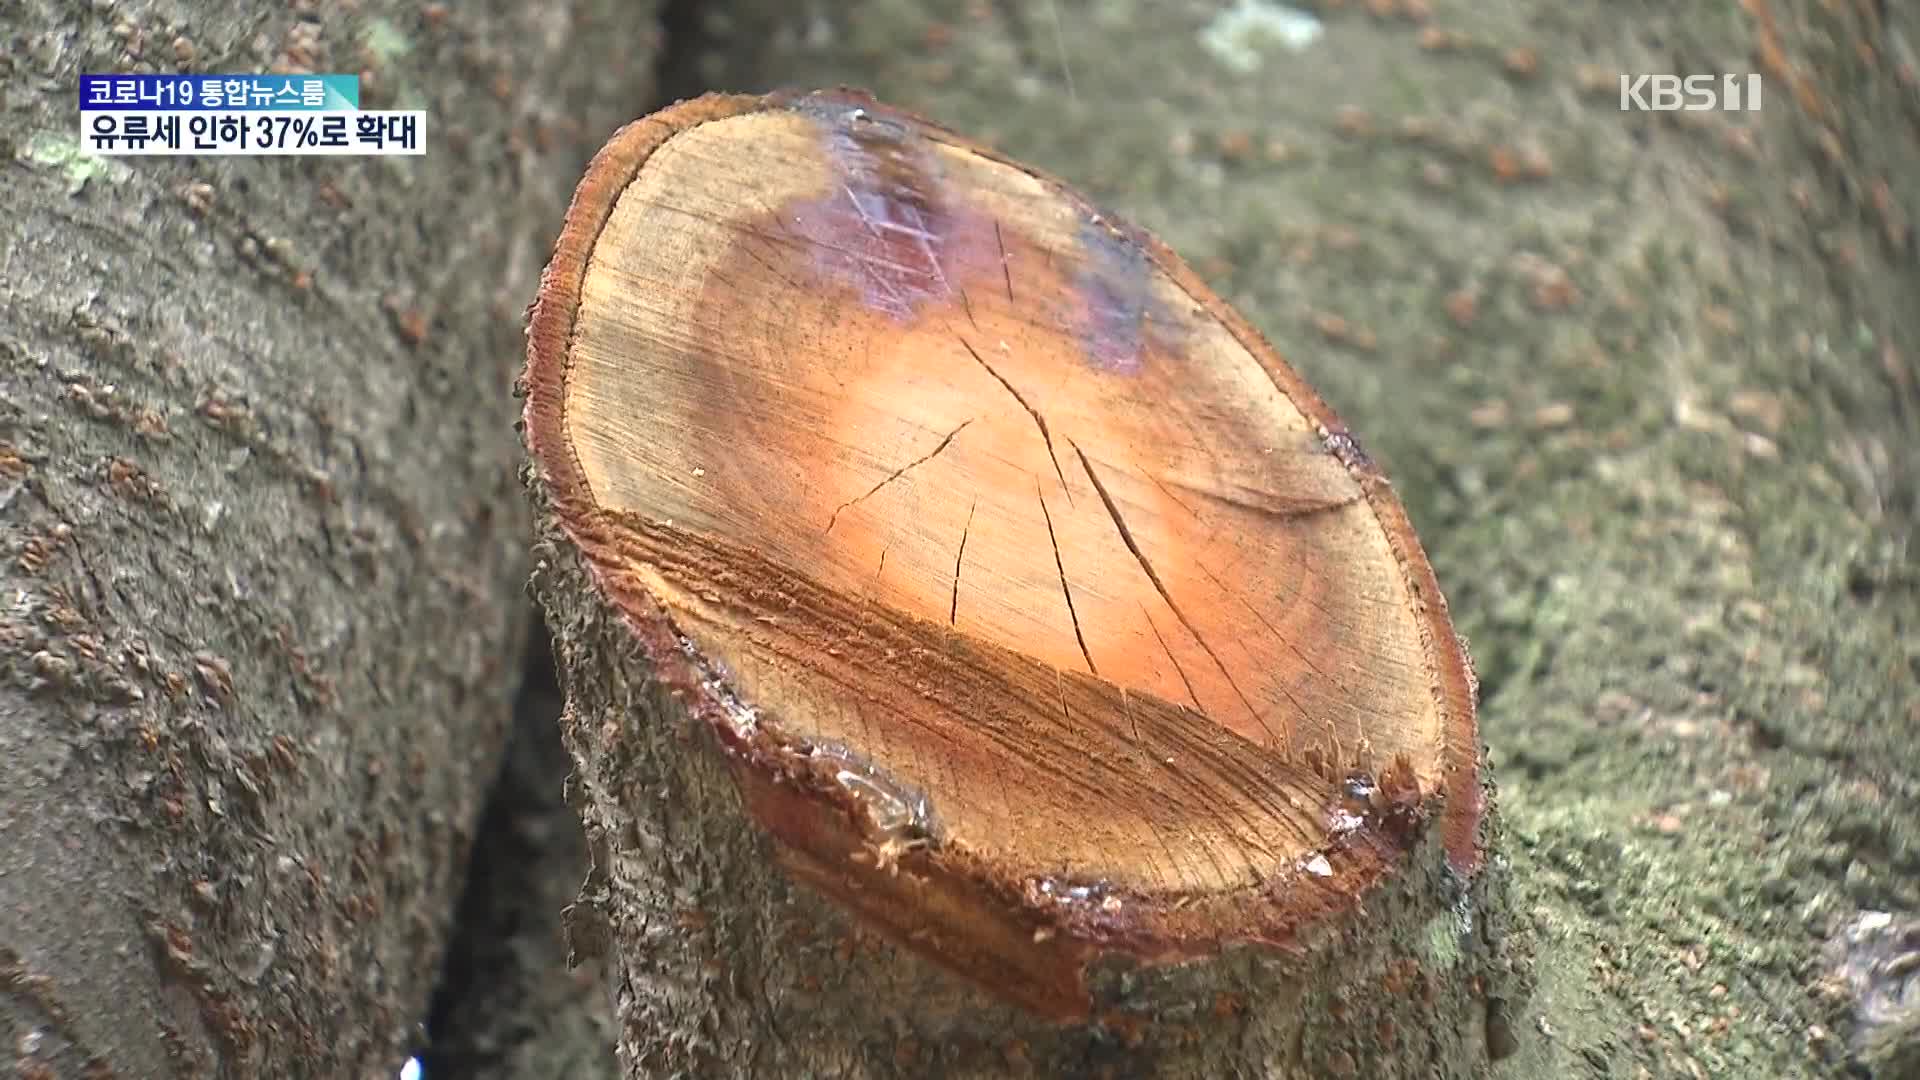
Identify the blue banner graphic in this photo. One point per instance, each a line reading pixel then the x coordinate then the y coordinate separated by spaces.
pixel 226 93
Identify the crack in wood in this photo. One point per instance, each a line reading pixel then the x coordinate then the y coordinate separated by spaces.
pixel 953 613
pixel 1038 420
pixel 1006 271
pixel 1295 512
pixel 899 472
pixel 1176 499
pixel 1197 707
pixel 1061 566
pixel 1126 537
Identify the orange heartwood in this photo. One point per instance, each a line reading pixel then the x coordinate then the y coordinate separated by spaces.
pixel 967 616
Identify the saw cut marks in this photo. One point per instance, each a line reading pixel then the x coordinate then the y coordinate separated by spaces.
pixel 934 464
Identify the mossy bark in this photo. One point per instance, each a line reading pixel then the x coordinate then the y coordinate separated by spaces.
pixel 261 548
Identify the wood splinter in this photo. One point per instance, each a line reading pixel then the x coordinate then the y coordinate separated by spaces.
pixel 983 651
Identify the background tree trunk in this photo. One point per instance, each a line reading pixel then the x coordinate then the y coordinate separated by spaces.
pixel 262 542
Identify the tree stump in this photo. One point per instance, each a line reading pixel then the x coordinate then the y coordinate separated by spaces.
pixel 983 652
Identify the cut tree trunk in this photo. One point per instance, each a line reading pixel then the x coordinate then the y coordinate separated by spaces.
pixel 260 543
pixel 981 650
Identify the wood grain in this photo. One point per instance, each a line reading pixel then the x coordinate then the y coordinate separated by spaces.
pixel 1008 555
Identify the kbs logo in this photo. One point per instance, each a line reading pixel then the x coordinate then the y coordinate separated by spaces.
pixel 1693 93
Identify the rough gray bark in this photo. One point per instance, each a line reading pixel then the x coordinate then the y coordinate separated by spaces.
pixel 261 545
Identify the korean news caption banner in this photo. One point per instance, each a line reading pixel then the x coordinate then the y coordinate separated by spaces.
pixel 185 115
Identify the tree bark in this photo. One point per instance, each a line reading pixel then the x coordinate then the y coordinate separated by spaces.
pixel 262 550
pixel 868 791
